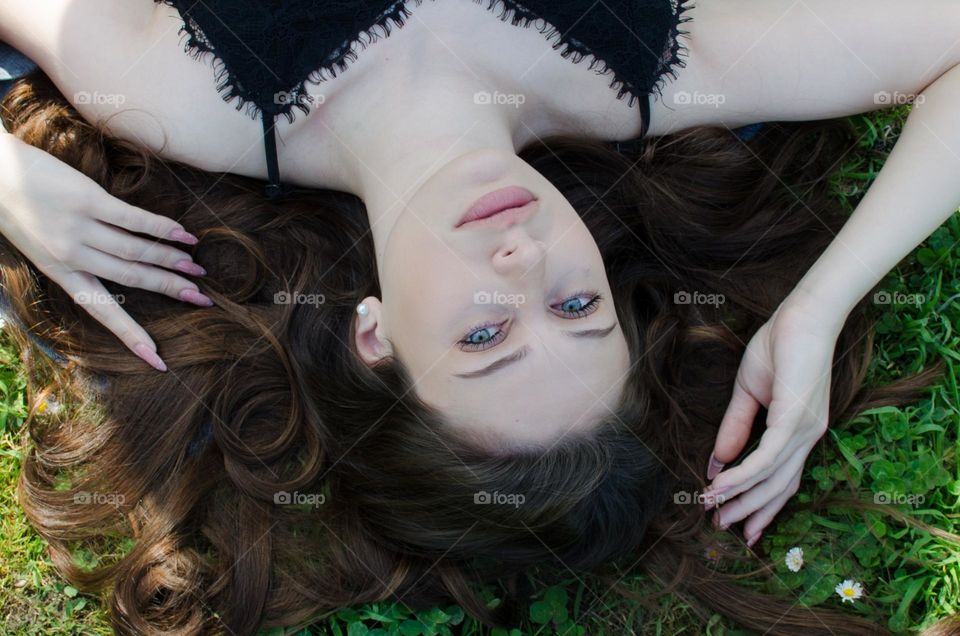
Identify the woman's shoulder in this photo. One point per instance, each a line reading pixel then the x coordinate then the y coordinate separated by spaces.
pixel 121 63
pixel 27 25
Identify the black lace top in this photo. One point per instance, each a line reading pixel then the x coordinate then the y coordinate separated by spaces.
pixel 266 51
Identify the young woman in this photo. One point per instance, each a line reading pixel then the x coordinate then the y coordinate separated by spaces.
pixel 549 360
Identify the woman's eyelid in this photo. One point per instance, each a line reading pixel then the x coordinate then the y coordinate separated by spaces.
pixel 594 299
pixel 502 327
pixel 562 297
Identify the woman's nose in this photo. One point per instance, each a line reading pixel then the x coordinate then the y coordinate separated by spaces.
pixel 518 255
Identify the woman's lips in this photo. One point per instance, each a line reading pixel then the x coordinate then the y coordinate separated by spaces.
pixel 497 202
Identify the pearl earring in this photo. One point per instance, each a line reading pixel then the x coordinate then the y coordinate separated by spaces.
pixel 362 309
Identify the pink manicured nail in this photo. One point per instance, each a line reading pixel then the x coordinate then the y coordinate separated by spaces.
pixel 710 502
pixel 719 492
pixel 195 297
pixel 183 236
pixel 754 539
pixel 149 356
pixel 189 267
pixel 714 467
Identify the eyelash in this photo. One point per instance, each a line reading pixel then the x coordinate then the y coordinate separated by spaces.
pixel 587 309
pixel 465 345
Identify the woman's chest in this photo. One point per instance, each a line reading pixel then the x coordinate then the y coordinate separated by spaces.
pixel 170 100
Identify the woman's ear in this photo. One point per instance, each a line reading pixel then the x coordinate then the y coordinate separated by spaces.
pixel 369 337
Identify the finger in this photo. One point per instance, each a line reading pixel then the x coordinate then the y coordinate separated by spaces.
pixel 130 217
pixel 784 419
pixel 142 276
pixel 762 517
pixel 762 493
pixel 128 247
pixel 93 297
pixel 734 429
pixel 774 445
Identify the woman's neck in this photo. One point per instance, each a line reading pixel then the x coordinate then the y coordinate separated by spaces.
pixel 389 157
pixel 418 101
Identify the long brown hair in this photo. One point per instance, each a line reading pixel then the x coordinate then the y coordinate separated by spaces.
pixel 266 404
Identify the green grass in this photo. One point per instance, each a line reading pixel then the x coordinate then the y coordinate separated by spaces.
pixel 912 578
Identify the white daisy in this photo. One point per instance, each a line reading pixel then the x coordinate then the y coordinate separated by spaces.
pixel 48 405
pixel 849 590
pixel 712 553
pixel 794 559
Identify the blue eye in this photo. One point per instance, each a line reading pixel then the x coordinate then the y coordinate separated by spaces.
pixel 579 305
pixel 482 337
pixel 572 304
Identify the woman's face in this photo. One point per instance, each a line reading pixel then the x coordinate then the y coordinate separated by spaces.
pixel 505 323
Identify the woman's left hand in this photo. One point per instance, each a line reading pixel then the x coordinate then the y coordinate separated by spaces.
pixel 787 369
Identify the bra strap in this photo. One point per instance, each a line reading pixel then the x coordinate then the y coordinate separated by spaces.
pixel 273 189
pixel 633 145
pixel 645 113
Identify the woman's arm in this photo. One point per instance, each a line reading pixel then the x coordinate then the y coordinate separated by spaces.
pixel 35 27
pixel 95 48
pixel 786 367
pixel 787 60
pixel 917 189
pixel 757 60
pixel 776 60
pixel 72 230
pixel 765 60
pixel 121 64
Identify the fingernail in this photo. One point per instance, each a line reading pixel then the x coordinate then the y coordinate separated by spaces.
pixel 195 297
pixel 754 539
pixel 709 501
pixel 718 493
pixel 183 236
pixel 715 520
pixel 714 467
pixel 189 267
pixel 149 356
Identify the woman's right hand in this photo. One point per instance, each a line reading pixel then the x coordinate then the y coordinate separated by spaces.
pixel 73 231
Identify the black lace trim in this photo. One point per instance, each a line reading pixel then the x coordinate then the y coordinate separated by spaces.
pixel 297 96
pixel 675 53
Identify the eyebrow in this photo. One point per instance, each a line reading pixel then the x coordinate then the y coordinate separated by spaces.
pixel 522 352
pixel 591 333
